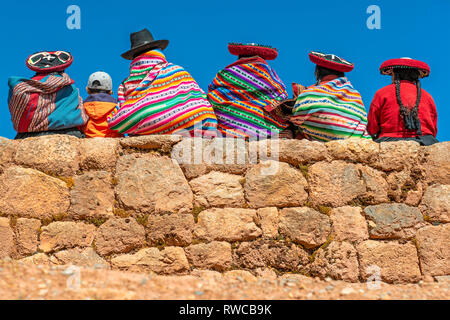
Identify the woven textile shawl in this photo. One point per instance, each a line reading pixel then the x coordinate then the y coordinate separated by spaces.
pixel 331 111
pixel 245 97
pixel 50 103
pixel 161 98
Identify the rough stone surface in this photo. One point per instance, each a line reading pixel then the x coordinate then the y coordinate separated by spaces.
pixel 433 244
pixel 435 204
pixel 66 235
pixel 301 152
pixel 227 225
pixel 398 263
pixel 170 230
pixel 269 253
pixel 240 276
pixel 7 150
pixel 55 154
pixel 348 224
pixel 6 238
pixel 92 196
pixel 214 256
pixel 30 193
pixel 217 189
pixel 153 142
pixel 40 259
pixel 275 184
pixel 335 184
pixel 339 261
pixel 377 188
pixel 86 257
pixel 99 153
pixel 305 226
pixel 27 236
pixel 200 156
pixel 437 163
pixel 119 236
pixel 355 150
pixel 393 221
pixel 171 260
pixel 398 155
pixel 268 220
pixel 152 185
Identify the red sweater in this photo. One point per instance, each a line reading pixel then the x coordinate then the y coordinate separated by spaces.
pixel 384 114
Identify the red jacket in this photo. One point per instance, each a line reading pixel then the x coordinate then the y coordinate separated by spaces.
pixel 384 114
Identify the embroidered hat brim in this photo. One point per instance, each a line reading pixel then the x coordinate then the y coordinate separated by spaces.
pixel 252 49
pixel 388 66
pixel 330 61
pixel 49 61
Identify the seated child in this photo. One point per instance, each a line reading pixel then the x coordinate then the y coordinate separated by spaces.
pixel 99 104
pixel 403 110
pixel 48 103
pixel 332 109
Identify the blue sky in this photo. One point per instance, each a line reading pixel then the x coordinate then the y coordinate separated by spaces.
pixel 200 30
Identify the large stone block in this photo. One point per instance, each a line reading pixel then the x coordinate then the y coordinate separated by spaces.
pixel 32 194
pixel 86 257
pixel 151 184
pixel 354 150
pixel 6 238
pixel 393 221
pixel 305 226
pixel 437 163
pixel 99 153
pixel 66 235
pixel 397 263
pixel 163 143
pixel 170 230
pixel 92 196
pixel 275 184
pixel 217 189
pixel 348 224
pixel 171 260
pixel 198 156
pixel 55 154
pixel 434 250
pixel 339 261
pixel 268 253
pixel 119 236
pixel 436 203
pixel 301 152
pixel 398 155
pixel 27 236
pixel 335 184
pixel 212 256
pixel 227 225
pixel 7 151
pixel 268 220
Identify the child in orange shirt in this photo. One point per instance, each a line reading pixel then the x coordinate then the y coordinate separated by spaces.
pixel 99 104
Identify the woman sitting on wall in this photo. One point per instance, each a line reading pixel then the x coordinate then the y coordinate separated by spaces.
pixel 403 110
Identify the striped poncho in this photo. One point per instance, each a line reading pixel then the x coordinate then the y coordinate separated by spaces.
pixel 45 102
pixel 331 111
pixel 161 98
pixel 245 97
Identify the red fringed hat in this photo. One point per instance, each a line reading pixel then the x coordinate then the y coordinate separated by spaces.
pixel 49 61
pixel 388 66
pixel 253 49
pixel 331 61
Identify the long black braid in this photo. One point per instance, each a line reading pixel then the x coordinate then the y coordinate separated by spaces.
pixel 410 115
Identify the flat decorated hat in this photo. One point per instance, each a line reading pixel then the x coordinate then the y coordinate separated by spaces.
pixel 253 49
pixel 387 68
pixel 331 61
pixel 49 61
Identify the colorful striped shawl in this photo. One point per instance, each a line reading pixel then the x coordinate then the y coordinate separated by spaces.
pixel 45 103
pixel 245 97
pixel 161 98
pixel 331 111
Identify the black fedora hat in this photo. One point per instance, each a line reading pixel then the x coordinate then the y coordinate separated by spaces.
pixel 141 42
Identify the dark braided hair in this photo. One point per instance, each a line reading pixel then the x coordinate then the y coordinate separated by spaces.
pixel 410 115
pixel 322 72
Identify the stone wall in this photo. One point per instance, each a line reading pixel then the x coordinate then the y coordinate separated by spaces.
pixel 347 210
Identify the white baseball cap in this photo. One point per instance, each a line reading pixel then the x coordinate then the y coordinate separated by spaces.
pixel 100 81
